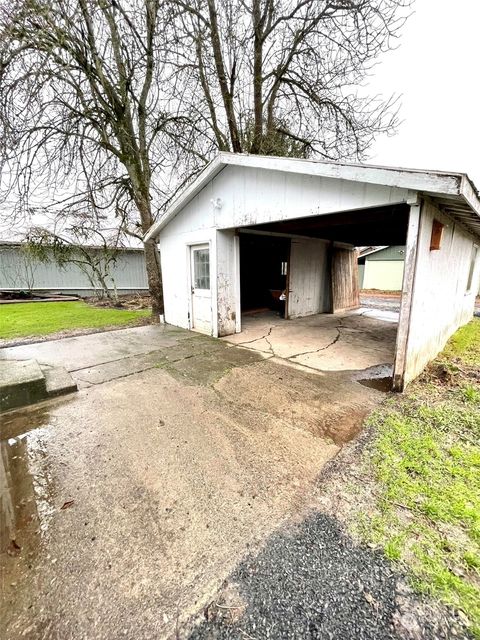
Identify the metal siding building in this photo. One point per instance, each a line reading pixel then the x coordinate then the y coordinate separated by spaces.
pixel 310 216
pixel 382 269
pixel 19 272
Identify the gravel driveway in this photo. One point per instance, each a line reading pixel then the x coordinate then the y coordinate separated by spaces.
pixel 313 580
pixel 386 302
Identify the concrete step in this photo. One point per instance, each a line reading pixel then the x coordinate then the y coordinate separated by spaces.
pixel 22 382
pixel 58 381
pixel 25 382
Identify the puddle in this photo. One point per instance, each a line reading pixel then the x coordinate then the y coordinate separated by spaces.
pixel 21 421
pixel 26 487
pixel 378 377
pixel 380 384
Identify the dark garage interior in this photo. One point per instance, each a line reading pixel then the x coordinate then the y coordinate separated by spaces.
pixel 263 272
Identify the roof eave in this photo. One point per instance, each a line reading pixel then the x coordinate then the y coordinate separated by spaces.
pixel 401 178
pixel 209 172
pixel 470 194
pixel 456 186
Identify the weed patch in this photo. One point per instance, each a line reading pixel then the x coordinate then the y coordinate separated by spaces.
pixel 425 458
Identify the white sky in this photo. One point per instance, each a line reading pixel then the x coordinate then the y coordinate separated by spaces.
pixel 436 68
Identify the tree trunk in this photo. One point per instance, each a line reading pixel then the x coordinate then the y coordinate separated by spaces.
pixel 222 78
pixel 152 259
pixel 154 275
pixel 257 79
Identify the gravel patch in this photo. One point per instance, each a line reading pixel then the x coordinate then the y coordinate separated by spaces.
pixel 313 581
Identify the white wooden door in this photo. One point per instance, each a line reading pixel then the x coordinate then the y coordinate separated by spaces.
pixel 201 288
pixel 307 278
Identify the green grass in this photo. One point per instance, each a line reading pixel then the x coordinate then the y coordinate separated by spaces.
pixel 465 345
pixel 426 462
pixel 42 318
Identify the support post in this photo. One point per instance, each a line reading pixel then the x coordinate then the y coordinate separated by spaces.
pixel 408 286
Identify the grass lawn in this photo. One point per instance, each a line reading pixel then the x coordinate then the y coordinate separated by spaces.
pixel 425 458
pixel 42 318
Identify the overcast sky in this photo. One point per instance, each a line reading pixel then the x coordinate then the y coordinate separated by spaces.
pixel 437 69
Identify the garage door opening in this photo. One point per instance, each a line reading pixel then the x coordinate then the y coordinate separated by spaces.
pixel 312 264
pixel 263 274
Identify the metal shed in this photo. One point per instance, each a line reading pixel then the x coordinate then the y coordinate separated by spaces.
pixel 299 221
pixel 19 271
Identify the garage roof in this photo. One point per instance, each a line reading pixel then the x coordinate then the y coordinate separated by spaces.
pixel 454 193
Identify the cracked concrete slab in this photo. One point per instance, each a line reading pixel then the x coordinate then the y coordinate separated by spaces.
pixel 326 342
pixel 90 350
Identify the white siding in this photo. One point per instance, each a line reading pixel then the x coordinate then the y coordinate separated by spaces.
pixel 194 225
pixel 228 295
pixel 440 302
pixel 251 196
pixel 308 280
pixel 248 196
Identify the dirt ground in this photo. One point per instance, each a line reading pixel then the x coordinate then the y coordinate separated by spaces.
pixel 128 503
pixel 390 300
pixel 132 301
pixel 382 300
pixel 316 578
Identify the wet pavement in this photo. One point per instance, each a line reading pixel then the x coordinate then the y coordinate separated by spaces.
pixel 127 504
pixel 91 350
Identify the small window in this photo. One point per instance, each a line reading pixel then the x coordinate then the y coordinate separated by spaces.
pixel 201 268
pixel 284 269
pixel 472 268
pixel 437 233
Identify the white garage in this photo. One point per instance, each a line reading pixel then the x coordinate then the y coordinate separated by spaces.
pixel 255 232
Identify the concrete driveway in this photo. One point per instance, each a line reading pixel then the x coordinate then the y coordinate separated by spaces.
pixel 354 340
pixel 127 504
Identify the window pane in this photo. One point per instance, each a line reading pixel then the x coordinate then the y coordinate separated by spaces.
pixel 472 268
pixel 201 268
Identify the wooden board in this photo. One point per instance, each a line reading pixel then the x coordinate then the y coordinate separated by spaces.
pixel 345 287
pixel 307 278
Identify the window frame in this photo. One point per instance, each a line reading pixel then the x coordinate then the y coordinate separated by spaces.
pixel 203 278
pixel 472 268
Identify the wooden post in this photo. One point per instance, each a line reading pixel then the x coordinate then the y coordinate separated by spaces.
pixel 399 367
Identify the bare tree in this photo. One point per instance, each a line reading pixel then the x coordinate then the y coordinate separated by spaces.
pixel 282 77
pixel 81 113
pixel 99 97
pixel 91 249
pixel 18 266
